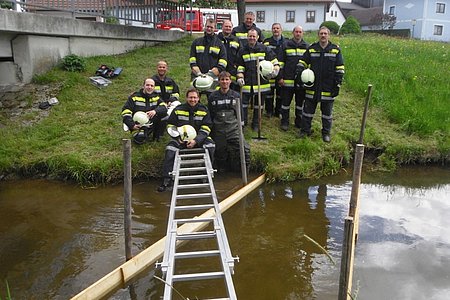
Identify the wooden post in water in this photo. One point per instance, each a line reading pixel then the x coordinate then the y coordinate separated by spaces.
pixel 352 221
pixel 127 188
pixel 345 277
pixel 241 140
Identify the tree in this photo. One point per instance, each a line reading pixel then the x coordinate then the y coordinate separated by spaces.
pixel 351 25
pixel 241 10
pixel 332 25
pixel 385 21
pixel 209 3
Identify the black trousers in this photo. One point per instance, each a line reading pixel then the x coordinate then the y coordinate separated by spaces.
pixel 309 109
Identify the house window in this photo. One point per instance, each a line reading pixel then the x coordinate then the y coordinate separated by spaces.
pixel 260 16
pixel 392 10
pixel 440 8
pixel 310 16
pixel 290 16
pixel 438 29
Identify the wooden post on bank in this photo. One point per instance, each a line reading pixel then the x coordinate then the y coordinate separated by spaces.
pixel 352 220
pixel 127 188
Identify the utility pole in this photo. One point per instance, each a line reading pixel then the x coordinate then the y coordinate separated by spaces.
pixel 241 11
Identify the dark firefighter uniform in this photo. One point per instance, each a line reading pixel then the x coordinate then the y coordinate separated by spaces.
pixel 198 117
pixel 166 88
pixel 241 31
pixel 225 130
pixel 232 46
pixel 275 45
pixel 169 91
pixel 291 53
pixel 140 101
pixel 208 52
pixel 328 67
pixel 246 62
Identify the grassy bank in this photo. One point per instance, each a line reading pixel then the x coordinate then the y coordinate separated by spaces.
pixel 408 119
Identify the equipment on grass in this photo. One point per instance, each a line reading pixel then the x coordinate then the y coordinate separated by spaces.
pixel 266 68
pixel 308 77
pixel 203 82
pixel 140 117
pixel 187 133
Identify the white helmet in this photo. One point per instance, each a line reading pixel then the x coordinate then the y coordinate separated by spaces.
pixel 172 106
pixel 140 117
pixel 203 82
pixel 308 77
pixel 187 133
pixel 265 68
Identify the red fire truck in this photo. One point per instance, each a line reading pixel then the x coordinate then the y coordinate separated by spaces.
pixel 177 19
pixel 195 18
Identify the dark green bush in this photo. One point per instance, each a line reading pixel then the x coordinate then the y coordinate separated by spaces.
pixel 351 25
pixel 332 25
pixel 73 63
pixel 6 5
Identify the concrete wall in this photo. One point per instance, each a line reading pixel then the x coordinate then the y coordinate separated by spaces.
pixel 32 44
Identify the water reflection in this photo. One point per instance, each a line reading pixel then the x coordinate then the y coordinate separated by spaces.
pixel 404 244
pixel 57 239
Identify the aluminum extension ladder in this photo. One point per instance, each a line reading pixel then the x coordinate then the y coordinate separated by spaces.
pixel 193 194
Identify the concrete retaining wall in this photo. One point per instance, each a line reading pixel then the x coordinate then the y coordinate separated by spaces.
pixel 32 44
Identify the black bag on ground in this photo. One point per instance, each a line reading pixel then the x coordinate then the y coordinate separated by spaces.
pixel 107 72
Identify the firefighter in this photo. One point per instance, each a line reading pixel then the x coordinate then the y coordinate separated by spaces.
pixel 275 42
pixel 222 105
pixel 248 76
pixel 167 89
pixel 232 46
pixel 146 100
pixel 241 30
pixel 190 113
pixel 325 59
pixel 208 54
pixel 292 51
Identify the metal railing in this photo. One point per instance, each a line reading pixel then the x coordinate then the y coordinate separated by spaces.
pixel 144 13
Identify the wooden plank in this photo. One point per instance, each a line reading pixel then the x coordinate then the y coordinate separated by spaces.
pixel 346 274
pixel 120 276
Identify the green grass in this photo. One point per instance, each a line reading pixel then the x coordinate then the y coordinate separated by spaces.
pixel 408 120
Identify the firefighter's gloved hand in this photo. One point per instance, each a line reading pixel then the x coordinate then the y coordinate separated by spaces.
pixel 274 73
pixel 335 91
pixel 212 74
pixel 240 81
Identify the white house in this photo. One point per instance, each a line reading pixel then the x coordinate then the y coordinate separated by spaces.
pixel 289 13
pixel 427 19
pixel 335 13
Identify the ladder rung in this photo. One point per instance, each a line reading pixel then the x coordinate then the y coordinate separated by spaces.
pixel 194 207
pixel 198 276
pixel 193 155
pixel 194 196
pixel 190 150
pixel 194 254
pixel 196 235
pixel 192 162
pixel 195 220
pixel 192 186
pixel 187 177
pixel 192 169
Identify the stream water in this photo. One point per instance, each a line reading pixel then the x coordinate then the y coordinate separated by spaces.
pixel 57 238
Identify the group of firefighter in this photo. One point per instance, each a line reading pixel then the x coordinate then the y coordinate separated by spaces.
pixel 231 58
